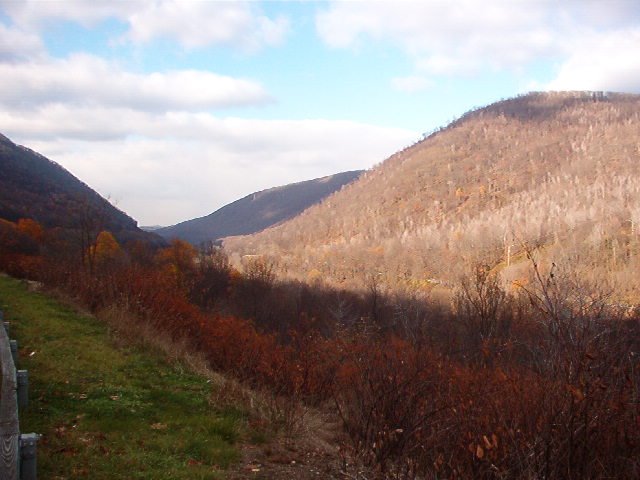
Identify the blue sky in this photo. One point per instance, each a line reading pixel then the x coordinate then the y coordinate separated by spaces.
pixel 173 108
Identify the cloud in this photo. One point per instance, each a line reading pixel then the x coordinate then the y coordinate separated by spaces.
pixel 150 141
pixel 167 168
pixel 444 38
pixel 602 61
pixel 190 23
pixel 36 14
pixel 196 24
pixel 88 80
pixel 17 45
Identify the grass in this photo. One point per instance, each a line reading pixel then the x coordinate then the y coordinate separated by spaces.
pixel 108 411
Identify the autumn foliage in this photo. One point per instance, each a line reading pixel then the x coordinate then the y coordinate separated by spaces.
pixel 539 382
pixel 552 168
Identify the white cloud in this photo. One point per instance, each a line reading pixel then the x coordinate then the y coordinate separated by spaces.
pixel 195 24
pixel 37 13
pixel 88 80
pixel 167 168
pixel 149 140
pixel 191 23
pixel 603 61
pixel 447 38
pixel 17 45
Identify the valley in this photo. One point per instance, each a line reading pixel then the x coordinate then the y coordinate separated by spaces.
pixel 465 309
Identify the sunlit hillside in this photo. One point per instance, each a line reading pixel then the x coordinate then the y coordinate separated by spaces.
pixel 553 169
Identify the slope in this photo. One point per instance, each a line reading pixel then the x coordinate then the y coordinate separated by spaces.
pixel 545 168
pixel 107 411
pixel 259 210
pixel 32 186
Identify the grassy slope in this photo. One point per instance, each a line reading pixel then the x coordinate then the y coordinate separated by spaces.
pixel 108 412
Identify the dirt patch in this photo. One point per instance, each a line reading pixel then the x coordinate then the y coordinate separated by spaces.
pixel 313 453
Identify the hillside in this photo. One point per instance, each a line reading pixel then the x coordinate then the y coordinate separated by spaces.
pixel 552 169
pixel 32 186
pixel 259 210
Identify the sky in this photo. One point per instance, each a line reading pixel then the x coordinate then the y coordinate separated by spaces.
pixel 174 108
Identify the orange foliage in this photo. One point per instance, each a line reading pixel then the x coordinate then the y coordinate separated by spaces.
pixel 524 408
pixel 31 228
pixel 20 247
pixel 179 260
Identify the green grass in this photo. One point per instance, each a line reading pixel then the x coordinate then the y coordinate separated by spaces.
pixel 109 412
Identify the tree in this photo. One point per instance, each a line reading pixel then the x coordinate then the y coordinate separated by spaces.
pixel 106 250
pixel 16 240
pixel 31 228
pixel 256 284
pixel 213 277
pixel 481 305
pixel 180 260
pixel 90 223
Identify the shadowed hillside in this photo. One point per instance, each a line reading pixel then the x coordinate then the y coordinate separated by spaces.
pixel 32 186
pixel 553 169
pixel 259 210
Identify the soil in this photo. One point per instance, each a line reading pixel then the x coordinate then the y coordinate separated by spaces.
pixel 312 453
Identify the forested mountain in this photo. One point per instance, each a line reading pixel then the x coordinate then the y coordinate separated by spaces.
pixel 554 170
pixel 259 210
pixel 532 379
pixel 32 186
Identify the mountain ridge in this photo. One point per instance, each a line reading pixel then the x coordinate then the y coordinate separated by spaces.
pixel 33 186
pixel 258 210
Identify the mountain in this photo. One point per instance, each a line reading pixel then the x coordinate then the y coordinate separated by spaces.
pixel 259 210
pixel 32 186
pixel 557 171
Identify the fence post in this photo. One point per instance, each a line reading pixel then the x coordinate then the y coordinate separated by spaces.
pixel 9 426
pixel 22 380
pixel 29 456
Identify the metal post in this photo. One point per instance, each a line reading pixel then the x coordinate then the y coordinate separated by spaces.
pixel 13 344
pixel 22 380
pixel 29 456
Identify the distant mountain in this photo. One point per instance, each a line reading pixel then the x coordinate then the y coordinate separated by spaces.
pixel 32 186
pixel 259 210
pixel 559 170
